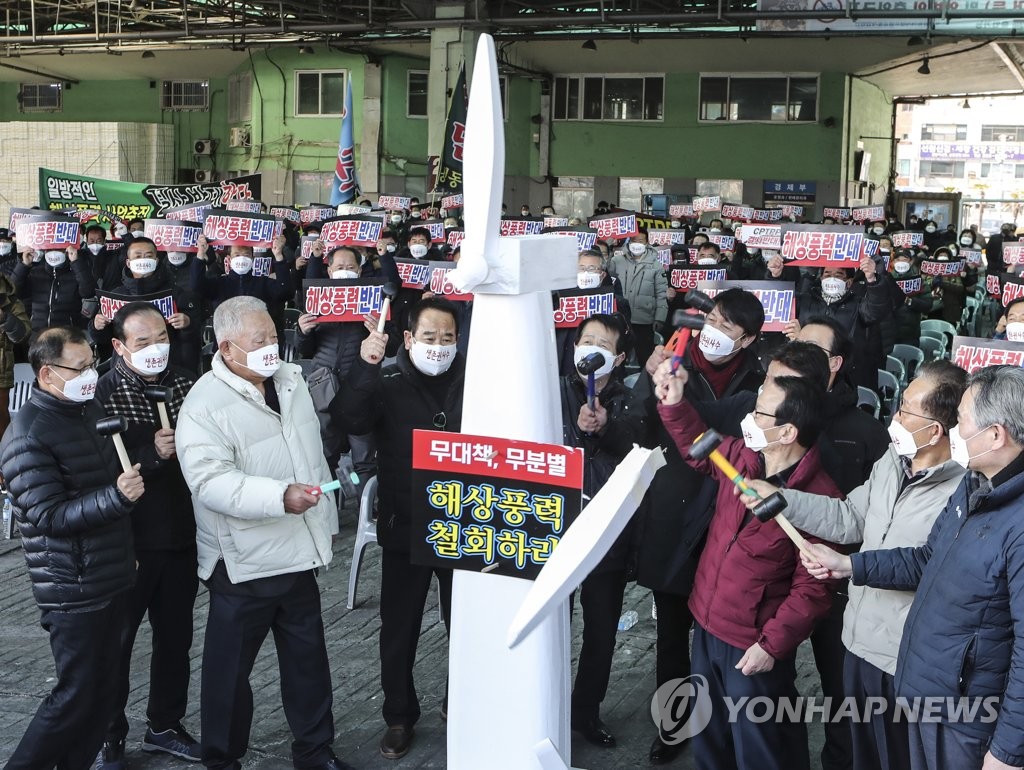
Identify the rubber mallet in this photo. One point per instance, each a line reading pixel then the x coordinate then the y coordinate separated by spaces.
pixel 588 366
pixel 114 427
pixel 160 395
pixel 389 291
pixel 705 447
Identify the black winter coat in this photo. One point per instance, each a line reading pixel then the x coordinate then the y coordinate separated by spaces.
pixel 334 345
pixel 908 312
pixel 603 452
pixel 75 524
pixel 678 506
pixel 963 638
pixel 392 403
pixel 55 293
pixel 163 519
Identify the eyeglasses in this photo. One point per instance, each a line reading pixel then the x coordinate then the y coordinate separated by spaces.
pixel 590 269
pixel 904 411
pixel 765 414
pixel 73 369
pixel 440 420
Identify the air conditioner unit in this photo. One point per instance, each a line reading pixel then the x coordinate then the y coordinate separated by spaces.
pixel 202 147
pixel 240 137
pixel 205 175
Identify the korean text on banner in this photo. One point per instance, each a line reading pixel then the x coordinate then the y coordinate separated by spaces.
pixel 777 299
pixel 344 301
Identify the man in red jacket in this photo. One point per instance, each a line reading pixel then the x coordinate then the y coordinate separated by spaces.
pixel 752 600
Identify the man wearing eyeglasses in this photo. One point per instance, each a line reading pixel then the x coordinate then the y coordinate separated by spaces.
pixel 422 390
pixel 72 502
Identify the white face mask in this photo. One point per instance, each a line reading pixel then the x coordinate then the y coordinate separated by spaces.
pixel 5 248
pixel 930 229
pixel 707 261
pixel 418 250
pixel 431 360
pixel 878 230
pixel 588 280
pixel 241 265
pixel 177 258
pixel 138 233
pixel 95 248
pixel 525 212
pixel 902 267
pixel 81 388
pixel 754 437
pixel 715 344
pixel 582 351
pixel 676 224
pixel 262 361
pixel 151 359
pixel 1015 331
pixel 55 258
pixel 966 241
pixel 37 256
pixel 636 249
pixel 396 219
pixel 833 287
pixel 143 266
pixel 903 440
pixel 344 275
pixel 958 446
pixel 390 248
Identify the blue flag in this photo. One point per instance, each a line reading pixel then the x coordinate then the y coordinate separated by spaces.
pixel 345 187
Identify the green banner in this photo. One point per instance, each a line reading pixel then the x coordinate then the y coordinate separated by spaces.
pixel 103 200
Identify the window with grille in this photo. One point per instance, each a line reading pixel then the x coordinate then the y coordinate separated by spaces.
pixel 41 97
pixel 759 98
pixel 319 93
pixel 240 98
pixel 185 95
pixel 609 98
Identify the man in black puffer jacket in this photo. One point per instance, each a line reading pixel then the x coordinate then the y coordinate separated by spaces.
pixel 53 288
pixel 606 434
pixel 424 390
pixel 72 504
pixel 964 637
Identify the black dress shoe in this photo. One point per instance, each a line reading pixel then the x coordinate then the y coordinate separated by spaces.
pixel 662 753
pixel 596 733
pixel 396 741
pixel 336 764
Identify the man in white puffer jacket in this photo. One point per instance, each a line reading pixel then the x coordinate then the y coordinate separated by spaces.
pixel 249 444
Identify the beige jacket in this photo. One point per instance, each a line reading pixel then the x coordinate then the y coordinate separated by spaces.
pixel 876 514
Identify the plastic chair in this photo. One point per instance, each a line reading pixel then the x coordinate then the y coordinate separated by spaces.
pixel 290 348
pixel 366 533
pixel 868 397
pixel 932 347
pixel 938 337
pixel 910 357
pixel 291 317
pixel 22 390
pixel 889 390
pixel 208 335
pixel 944 327
pixel 969 319
pixel 895 366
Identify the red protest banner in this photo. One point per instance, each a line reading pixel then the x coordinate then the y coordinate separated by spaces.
pixel 451 201
pixel 511 228
pixel 415 273
pixel 839 214
pixel 822 245
pixel 344 301
pixel 615 225
pixel 685 278
pixel 193 212
pixel 777 298
pixel 285 212
pixel 577 305
pixel 707 203
pixel 47 232
pixel 681 210
pixel 111 302
pixel 937 267
pixel 666 237
pixel 868 214
pixel 455 237
pixel 973 353
pixel 316 213
pixel 1013 253
pixel 737 212
pixel 235 228
pixel 173 235
pixel 359 230
pixel 760 236
pixel 393 202
pixel 248 206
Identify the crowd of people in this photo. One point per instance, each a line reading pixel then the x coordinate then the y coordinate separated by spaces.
pixel 220 448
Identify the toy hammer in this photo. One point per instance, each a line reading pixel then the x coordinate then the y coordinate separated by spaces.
pixel 389 292
pixel 588 366
pixel 685 324
pixel 705 447
pixel 114 427
pixel 161 395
